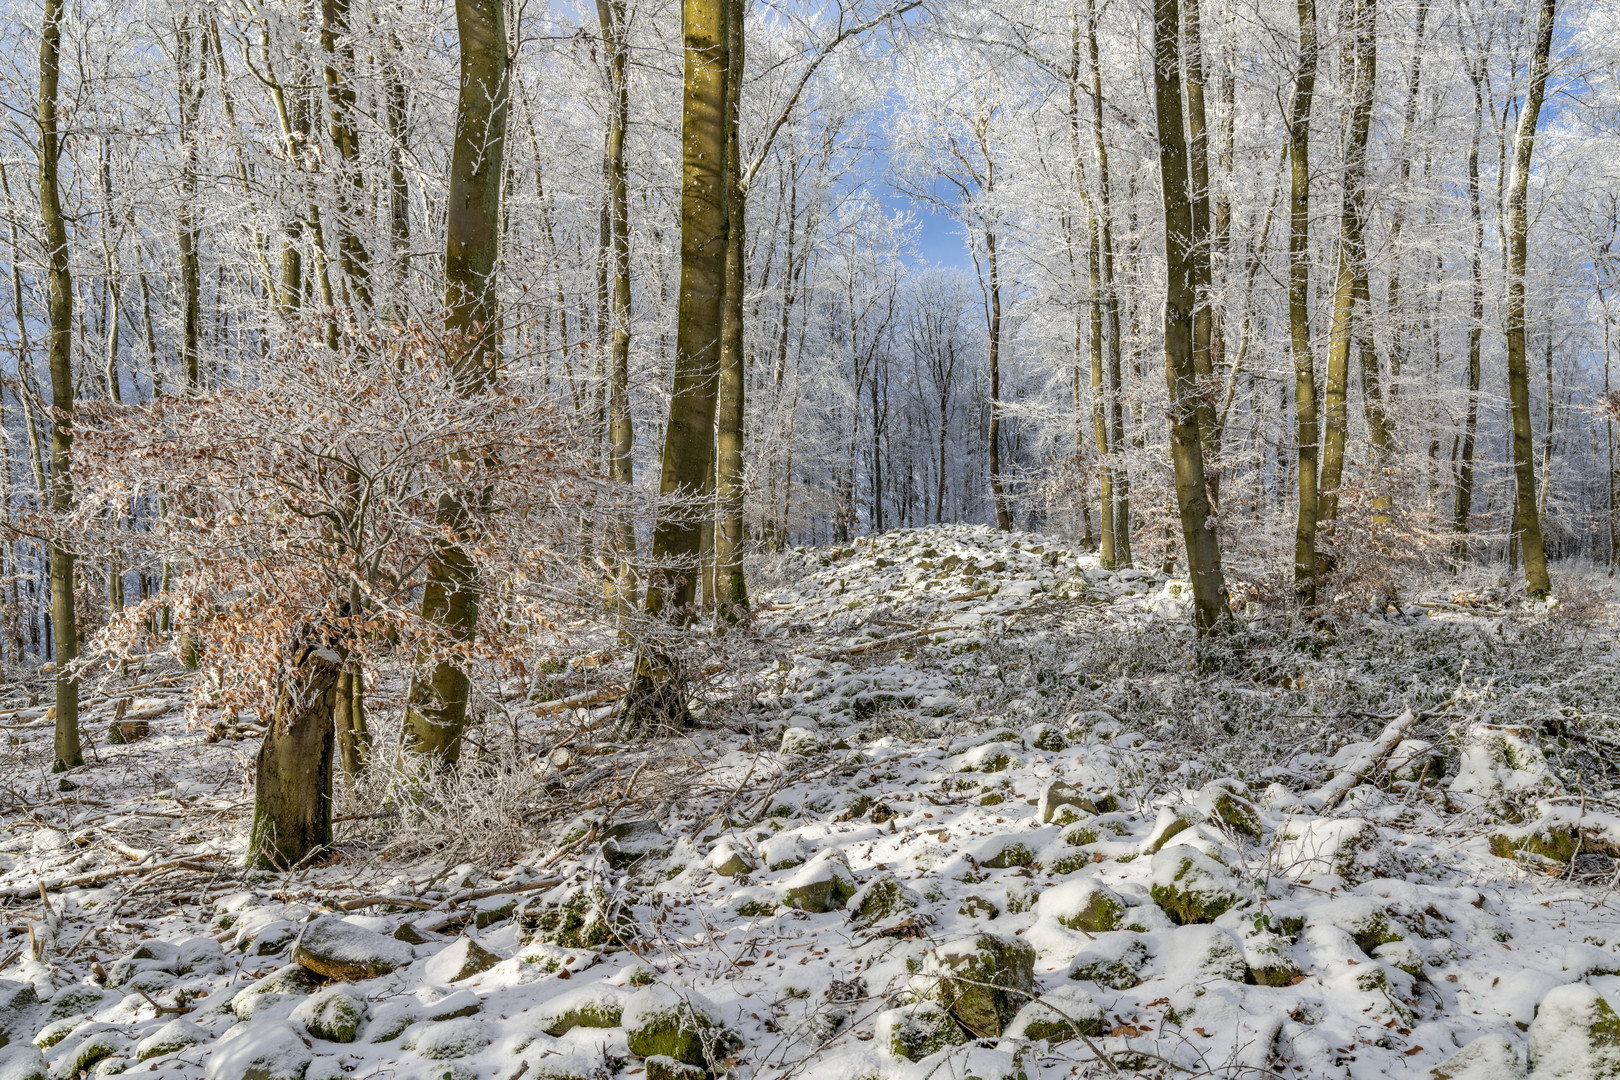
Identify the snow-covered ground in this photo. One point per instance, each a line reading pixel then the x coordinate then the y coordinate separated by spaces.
pixel 983 811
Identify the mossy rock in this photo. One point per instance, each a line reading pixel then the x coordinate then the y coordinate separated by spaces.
pixel 1070 864
pixel 1014 853
pixel 486 917
pixel 598 1006
pixel 172 1037
pixel 801 742
pixel 336 949
pixel 658 1020
pixel 822 884
pixel 57 1030
pixel 1548 841
pixel 73 1000
pixel 1046 737
pixel 1489 1057
pixel 1575 1036
pixel 388 1022
pixel 660 1067
pixel 1191 887
pixel 1367 923
pixel 881 899
pixel 982 981
pixel 334 1014
pixel 1022 894
pixel 1085 904
pixel 1080 834
pixel 977 907
pixel 1269 960
pixel 290 981
pixel 731 859
pixel 461 959
pixel 1217 952
pixel 1114 960
pixel 1219 802
pixel 581 918
pixel 1169 823
pixel 1402 955
pixel 1059 800
pixel 445 1040
pixel 915 1031
pixel 1058 1016
pixel 22 1062
pixel 87 1045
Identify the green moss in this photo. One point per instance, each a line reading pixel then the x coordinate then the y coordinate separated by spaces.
pixel 597 1013
pixel 582 920
pixel 1014 854
pixel 1079 835
pixel 1103 911
pixel 53 1033
pixel 1557 844
pixel 334 1014
pixel 1190 895
pixel 76 999
pixel 1118 968
pixel 982 982
pixel 919 1030
pixel 1070 864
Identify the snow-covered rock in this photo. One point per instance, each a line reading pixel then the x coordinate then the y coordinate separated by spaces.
pixel 336 948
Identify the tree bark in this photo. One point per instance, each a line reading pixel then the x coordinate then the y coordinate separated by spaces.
pixel 621 432
pixel 1110 305
pixel 436 712
pixel 688 459
pixel 1299 312
pixel 998 489
pixel 59 331
pixel 1527 518
pixel 1463 506
pixel 1351 281
pixel 1200 249
pixel 1186 451
pixel 686 477
pixel 351 191
pixel 190 86
pixel 731 590
pixel 292 790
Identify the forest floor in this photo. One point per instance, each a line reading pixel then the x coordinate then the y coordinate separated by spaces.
pixel 983 809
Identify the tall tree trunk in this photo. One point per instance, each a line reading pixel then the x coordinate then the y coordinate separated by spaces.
pixel 1099 396
pixel 731 590
pixel 1350 281
pixel 621 432
pixel 292 791
pixel 686 476
pixel 436 712
pixel 1110 302
pixel 1299 297
pixel 64 617
pixel 998 489
pixel 1200 248
pixel 1395 303
pixel 1527 519
pixel 190 83
pixel 1186 451
pixel 338 45
pixel 1476 323
pixel 395 117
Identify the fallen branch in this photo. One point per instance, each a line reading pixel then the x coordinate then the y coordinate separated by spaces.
pixel 189 862
pixel 1367 762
